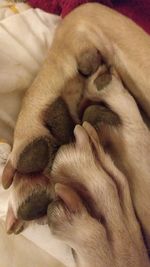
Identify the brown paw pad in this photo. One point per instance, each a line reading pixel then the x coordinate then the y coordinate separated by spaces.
pixel 96 114
pixel 103 80
pixel 89 62
pixel 35 206
pixel 59 121
pixel 34 157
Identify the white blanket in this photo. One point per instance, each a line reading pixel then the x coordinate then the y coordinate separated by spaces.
pixel 24 40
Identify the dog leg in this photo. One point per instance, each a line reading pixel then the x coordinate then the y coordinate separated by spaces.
pixel 36 140
pixel 100 241
pixel 129 144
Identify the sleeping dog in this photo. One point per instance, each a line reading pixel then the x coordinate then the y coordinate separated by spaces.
pixel 94 49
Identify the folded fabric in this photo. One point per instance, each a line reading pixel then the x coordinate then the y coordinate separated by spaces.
pixel 138 10
pixel 8 8
pixel 23 47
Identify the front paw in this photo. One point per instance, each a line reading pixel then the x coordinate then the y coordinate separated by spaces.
pixel 35 145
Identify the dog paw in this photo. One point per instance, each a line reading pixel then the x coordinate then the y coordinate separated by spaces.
pixel 35 145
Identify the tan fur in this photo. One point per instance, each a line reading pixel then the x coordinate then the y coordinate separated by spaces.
pixel 125 50
pixel 96 179
pixel 126 47
pixel 130 148
pixel 112 235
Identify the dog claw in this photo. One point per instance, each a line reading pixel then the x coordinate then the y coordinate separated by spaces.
pixel 13 225
pixel 8 175
pixel 81 136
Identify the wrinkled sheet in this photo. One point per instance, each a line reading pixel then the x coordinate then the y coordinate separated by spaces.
pixel 24 42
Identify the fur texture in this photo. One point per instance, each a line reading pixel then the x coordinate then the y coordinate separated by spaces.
pixel 69 74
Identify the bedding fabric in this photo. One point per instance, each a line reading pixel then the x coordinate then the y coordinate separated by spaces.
pixel 137 10
pixel 23 48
